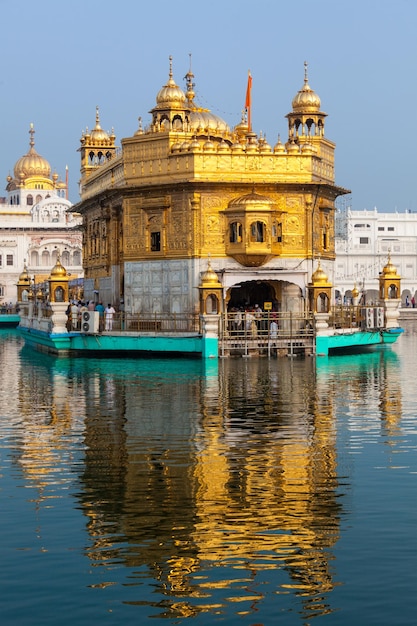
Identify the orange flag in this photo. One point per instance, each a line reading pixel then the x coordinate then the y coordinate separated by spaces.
pixel 248 100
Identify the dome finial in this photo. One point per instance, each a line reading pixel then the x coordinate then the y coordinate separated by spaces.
pixel 170 67
pixel 190 84
pixel 31 133
pixel 97 118
pixel 305 72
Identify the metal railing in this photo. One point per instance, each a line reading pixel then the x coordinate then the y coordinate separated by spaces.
pixel 245 332
pixel 157 323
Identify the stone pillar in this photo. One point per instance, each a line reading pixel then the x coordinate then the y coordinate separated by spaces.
pixel 210 324
pixel 59 318
pixel 392 312
pixel 322 323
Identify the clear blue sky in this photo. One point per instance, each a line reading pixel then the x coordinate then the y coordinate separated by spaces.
pixel 61 59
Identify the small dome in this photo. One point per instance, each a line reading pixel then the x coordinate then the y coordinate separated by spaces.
pixel 210 277
pixel 293 148
pixel 58 271
pixel 390 269
pixel 249 199
pixel 170 96
pixel 319 277
pixel 242 128
pixel 209 146
pixel 306 100
pixel 355 292
pixel 32 164
pixel 98 135
pixel 195 146
pixel 24 276
pixel 176 146
pixel 279 147
pixel 223 146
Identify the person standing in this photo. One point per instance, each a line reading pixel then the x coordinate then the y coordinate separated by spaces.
pixel 109 311
pixel 74 316
pixel 100 309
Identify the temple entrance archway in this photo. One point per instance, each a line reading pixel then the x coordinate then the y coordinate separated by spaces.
pixel 280 296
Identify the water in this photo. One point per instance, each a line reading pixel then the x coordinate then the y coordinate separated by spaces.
pixel 245 491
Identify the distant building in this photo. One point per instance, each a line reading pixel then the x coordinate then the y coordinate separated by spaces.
pixel 187 193
pixel 36 224
pixel 364 240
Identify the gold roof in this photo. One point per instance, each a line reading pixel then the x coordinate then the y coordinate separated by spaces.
pixel 390 269
pixel 319 277
pixel 24 276
pixel 58 271
pixel 31 164
pixel 202 121
pixel 210 277
pixel 98 135
pixel 306 100
pixel 170 96
pixel 355 291
pixel 252 198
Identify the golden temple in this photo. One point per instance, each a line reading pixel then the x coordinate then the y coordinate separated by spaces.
pixel 188 187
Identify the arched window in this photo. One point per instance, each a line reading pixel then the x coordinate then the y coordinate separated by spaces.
pixel 257 231
pixel 212 304
pixel 29 200
pixel 235 232
pixel 59 294
pixel 177 123
pixel 393 292
pixel 322 303
pixel 76 259
pixel 66 257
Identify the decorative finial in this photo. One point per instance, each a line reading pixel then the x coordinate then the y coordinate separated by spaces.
pixel 97 118
pixel 170 67
pixel 31 133
pixel 305 72
pixel 190 84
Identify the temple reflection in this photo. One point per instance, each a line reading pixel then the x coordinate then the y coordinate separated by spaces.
pixel 205 477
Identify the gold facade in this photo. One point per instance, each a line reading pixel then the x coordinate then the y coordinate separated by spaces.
pixel 189 187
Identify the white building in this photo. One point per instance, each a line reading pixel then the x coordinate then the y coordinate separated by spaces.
pixel 364 239
pixel 36 224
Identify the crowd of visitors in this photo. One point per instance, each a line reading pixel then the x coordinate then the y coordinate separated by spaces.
pixel 76 309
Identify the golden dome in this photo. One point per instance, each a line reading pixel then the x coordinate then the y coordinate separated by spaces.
pixel 210 277
pixel 390 269
pixel 58 271
pixel 24 276
pixel 32 164
pixel 242 128
pixel 206 122
pixel 355 292
pixel 170 96
pixel 251 199
pixel 98 135
pixel 279 147
pixel 306 100
pixel 319 277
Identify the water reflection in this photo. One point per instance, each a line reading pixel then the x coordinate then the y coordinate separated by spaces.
pixel 203 486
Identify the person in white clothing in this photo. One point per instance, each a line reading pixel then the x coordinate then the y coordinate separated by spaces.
pixel 108 317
